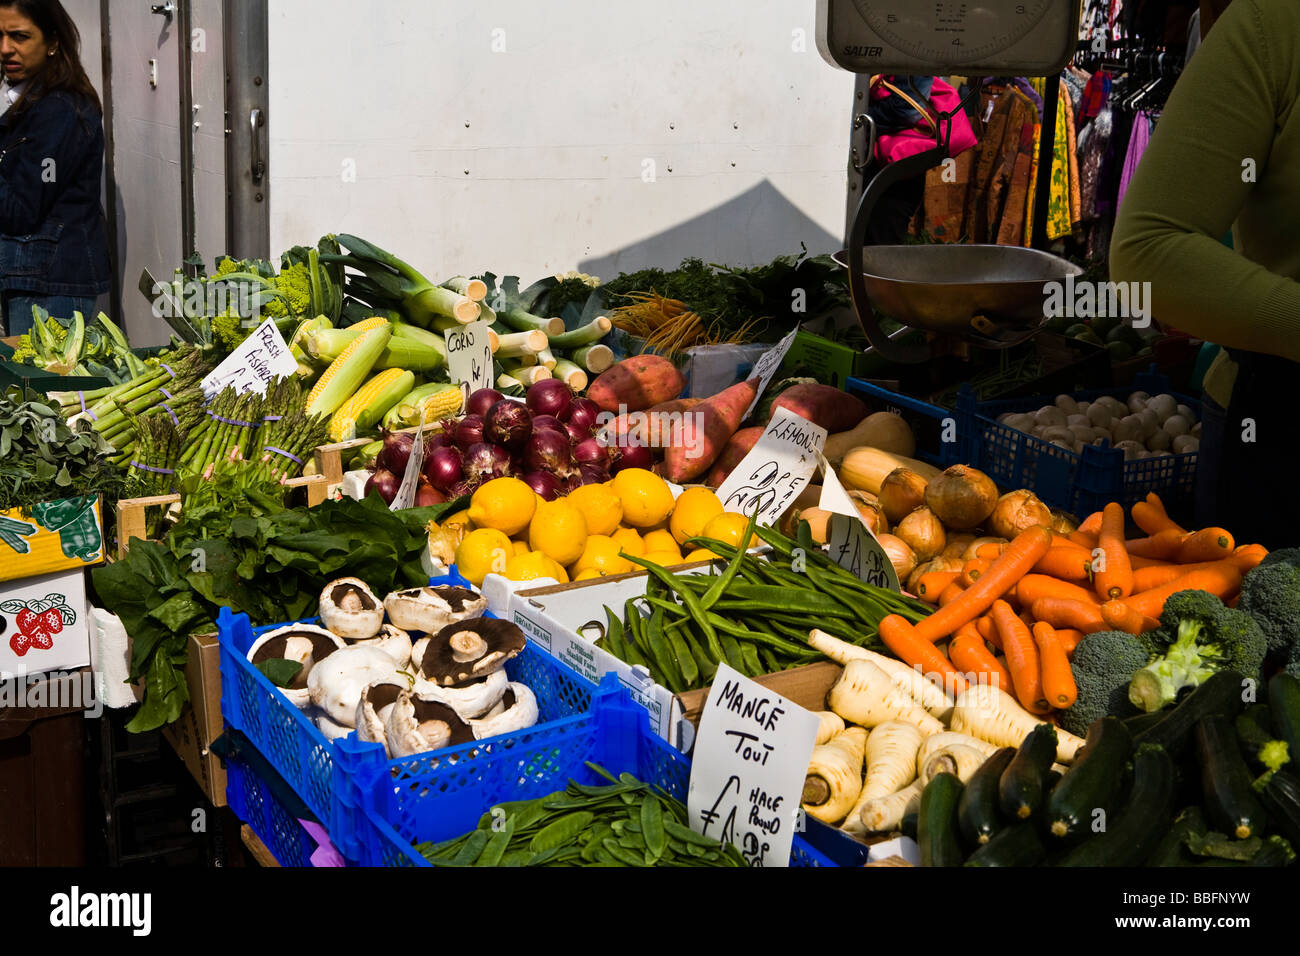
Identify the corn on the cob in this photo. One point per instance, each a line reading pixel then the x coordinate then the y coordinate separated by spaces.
pixel 325 343
pixel 368 404
pixel 348 371
pixel 413 354
pixel 438 399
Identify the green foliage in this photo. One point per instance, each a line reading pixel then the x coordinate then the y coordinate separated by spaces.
pixel 42 458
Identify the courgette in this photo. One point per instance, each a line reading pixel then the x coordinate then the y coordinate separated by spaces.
pixel 977 810
pixel 1219 695
pixel 1254 730
pixel 1277 852
pixel 1093 782
pixel 1230 802
pixel 1143 820
pixel 1284 703
pixel 1172 850
pixel 1281 796
pixel 907 826
pixel 1143 722
pixel 1020 789
pixel 936 822
pixel 1016 845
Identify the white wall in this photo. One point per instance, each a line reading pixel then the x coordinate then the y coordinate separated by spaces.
pixel 530 160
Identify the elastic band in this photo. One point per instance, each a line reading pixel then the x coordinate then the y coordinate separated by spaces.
pixel 272 418
pixel 156 471
pixel 293 458
pixel 175 421
pixel 166 394
pixel 231 421
pixel 81 397
pixel 168 368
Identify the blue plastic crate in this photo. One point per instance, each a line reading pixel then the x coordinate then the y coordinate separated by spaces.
pixel 939 439
pixel 439 796
pixel 254 802
pixel 1078 483
pixel 310 763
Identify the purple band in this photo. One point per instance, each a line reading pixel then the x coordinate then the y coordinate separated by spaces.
pixel 272 418
pixel 168 368
pixel 81 397
pixel 231 421
pixel 166 394
pixel 293 458
pixel 175 421
pixel 156 471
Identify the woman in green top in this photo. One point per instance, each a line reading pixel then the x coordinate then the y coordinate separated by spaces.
pixel 1226 154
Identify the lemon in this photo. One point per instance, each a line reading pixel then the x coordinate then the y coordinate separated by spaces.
pixel 601 554
pixel 664 558
pixel 530 566
pixel 600 506
pixel 521 547
pixel 482 552
pixel 588 575
pixel 558 572
pixel 506 504
pixel 559 531
pixel 694 508
pixel 660 541
pixel 647 499
pixel 460 517
pixel 629 540
pixel 727 528
pixel 700 554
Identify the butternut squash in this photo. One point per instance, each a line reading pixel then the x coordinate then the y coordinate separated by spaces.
pixel 883 430
pixel 866 468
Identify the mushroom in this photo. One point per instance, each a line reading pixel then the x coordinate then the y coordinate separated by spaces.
pixel 373 709
pixel 336 684
pixel 350 609
pixel 393 641
pixel 516 711
pixel 304 643
pixel 467 650
pixel 431 609
pixel 415 726
pixel 332 731
pixel 472 700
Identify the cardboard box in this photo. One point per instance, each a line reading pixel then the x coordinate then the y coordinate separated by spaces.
pixel 829 362
pixel 44 624
pixel 200 723
pixel 55 536
pixel 806 686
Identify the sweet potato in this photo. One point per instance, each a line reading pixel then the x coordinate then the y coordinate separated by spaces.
pixel 733 453
pixel 636 384
pixel 706 430
pixel 654 425
pixel 823 405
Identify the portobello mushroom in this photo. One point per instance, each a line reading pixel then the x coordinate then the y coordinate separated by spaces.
pixel 430 609
pixel 350 609
pixel 373 709
pixel 516 711
pixel 305 644
pixel 332 731
pixel 416 726
pixel 470 701
pixel 336 685
pixel 393 641
pixel 467 650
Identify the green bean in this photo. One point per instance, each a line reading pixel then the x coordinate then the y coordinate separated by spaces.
pixel 669 607
pixel 686 662
pixel 749 652
pixel 769 660
pixel 726 577
pixel 731 649
pixel 689 599
pixel 663 652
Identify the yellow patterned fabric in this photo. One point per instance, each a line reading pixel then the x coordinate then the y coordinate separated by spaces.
pixel 1059 219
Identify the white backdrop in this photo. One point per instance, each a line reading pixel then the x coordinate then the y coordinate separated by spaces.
pixel 517 137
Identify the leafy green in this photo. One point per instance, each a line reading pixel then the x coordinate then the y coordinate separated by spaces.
pixel 43 459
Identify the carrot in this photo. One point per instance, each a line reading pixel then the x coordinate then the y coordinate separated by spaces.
pixel 1139 562
pixel 1054 667
pixel 1034 586
pixel 1150 516
pixel 1208 544
pixel 968 653
pixel 1066 563
pixel 971 571
pixel 1120 617
pixel 1069 639
pixel 1144 579
pixel 706 430
pixel 1084 539
pixel 1021 555
pixel 1114 574
pixel 932 584
pixel 950 593
pixel 989 552
pixel 1022 658
pixel 1223 582
pixel 1091 525
pixel 918 651
pixel 1162 546
pixel 1062 612
pixel 1248 556
pixel 984 624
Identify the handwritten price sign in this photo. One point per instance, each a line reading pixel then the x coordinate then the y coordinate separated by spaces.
pixel 848 540
pixel 469 358
pixel 260 359
pixel 766 367
pixel 778 467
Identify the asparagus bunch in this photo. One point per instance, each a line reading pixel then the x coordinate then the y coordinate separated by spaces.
pixel 154 460
pixel 288 434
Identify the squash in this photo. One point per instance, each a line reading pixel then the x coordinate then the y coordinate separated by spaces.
pixel 866 468
pixel 883 430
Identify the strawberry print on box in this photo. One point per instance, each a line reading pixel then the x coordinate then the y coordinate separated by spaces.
pixel 43 624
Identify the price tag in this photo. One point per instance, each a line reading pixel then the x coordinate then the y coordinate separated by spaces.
pixel 260 359
pixel 776 469
pixel 469 358
pixel 747 775
pixel 849 541
pixel 405 496
pixel 767 365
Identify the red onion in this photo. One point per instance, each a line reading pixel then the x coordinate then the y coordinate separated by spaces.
pixel 547 451
pixel 544 422
pixel 481 400
pixel 590 451
pixel 466 487
pixel 443 467
pixel 631 456
pixel 508 424
pixel 549 397
pixel 384 483
pixel 593 474
pixel 582 413
pixel 575 433
pixel 442 439
pixel 396 453
pixel 427 495
pixel 486 461
pixel 545 484
pixel 469 431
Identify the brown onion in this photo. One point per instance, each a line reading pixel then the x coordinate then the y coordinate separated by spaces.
pixel 961 497
pixel 819 521
pixel 873 516
pixel 901 493
pixel 957 544
pixel 1063 523
pixel 1016 511
pixel 900 555
pixel 923 532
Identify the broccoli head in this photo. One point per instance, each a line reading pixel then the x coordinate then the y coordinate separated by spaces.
pixel 1203 637
pixel 294 283
pixel 24 352
pixel 1103 664
pixel 230 329
pixel 1270 594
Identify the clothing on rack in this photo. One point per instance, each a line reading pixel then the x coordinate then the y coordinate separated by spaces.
pixel 1137 145
pixel 1060 219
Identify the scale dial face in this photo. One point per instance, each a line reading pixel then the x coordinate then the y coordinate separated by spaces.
pixel 973 37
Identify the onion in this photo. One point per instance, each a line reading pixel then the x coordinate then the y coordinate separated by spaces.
pixel 508 424
pixel 443 439
pixel 581 414
pixel 593 474
pixel 873 515
pixel 481 400
pixel 547 450
pixel 550 396
pixel 923 532
pixel 631 456
pixel 426 495
pixel 443 467
pixel 1016 511
pixel 396 453
pixel 576 433
pixel 961 497
pixel 544 422
pixel 466 487
pixel 545 484
pixel 900 555
pixel 1063 523
pixel 901 493
pixel 469 431
pixel 384 483
pixel 486 461
pixel 590 451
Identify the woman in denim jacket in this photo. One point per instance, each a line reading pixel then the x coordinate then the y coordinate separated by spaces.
pixel 53 242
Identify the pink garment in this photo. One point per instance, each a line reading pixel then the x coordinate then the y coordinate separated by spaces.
pixel 1137 145
pixel 891 147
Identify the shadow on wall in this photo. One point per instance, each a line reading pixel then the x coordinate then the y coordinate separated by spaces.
pixel 769 223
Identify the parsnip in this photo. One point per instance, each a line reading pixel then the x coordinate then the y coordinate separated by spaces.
pixel 930 695
pixel 864 695
pixel 886 813
pixel 834 777
pixel 936 742
pixel 891 765
pixel 986 712
pixel 956 759
pixel 830 724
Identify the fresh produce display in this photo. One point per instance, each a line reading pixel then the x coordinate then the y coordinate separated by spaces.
pixel 1146 426
pixel 75 346
pixel 43 458
pixel 626 823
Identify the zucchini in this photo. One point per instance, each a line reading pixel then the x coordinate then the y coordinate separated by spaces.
pixel 1284 702
pixel 936 822
pixel 1016 845
pixel 1219 695
pixel 1093 782
pixel 1143 722
pixel 1281 795
pixel 1141 822
pixel 1172 850
pixel 1277 852
pixel 977 810
pixel 1254 730
pixel 1229 800
pixel 907 826
pixel 1020 789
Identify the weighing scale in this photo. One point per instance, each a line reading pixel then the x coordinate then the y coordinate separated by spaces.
pixel 987 295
